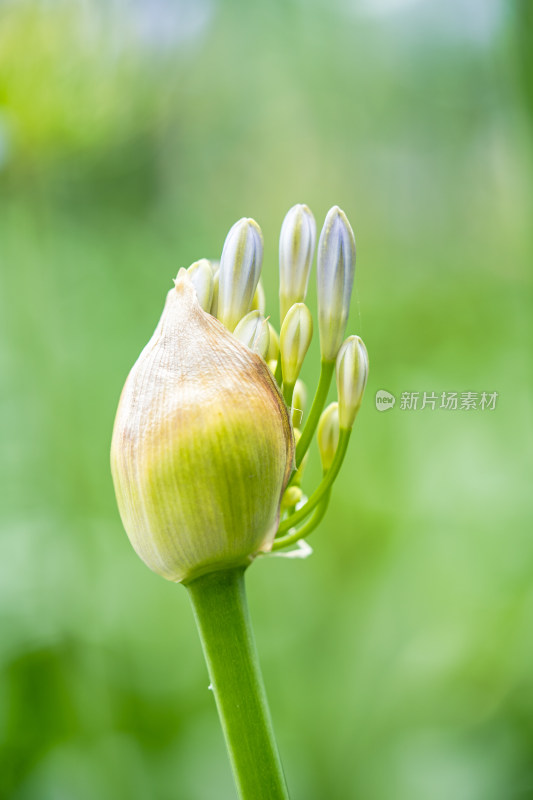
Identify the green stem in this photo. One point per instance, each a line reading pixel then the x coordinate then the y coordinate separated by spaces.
pixel 323 486
pixel 319 401
pixel 221 611
pixel 287 391
pixel 307 528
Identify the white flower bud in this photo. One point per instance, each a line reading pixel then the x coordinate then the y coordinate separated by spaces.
pixel 214 302
pixel 201 275
pixel 328 435
pixel 293 495
pixel 299 403
pixel 273 344
pixel 296 479
pixel 259 300
pixel 296 250
pixel 240 267
pixel 335 275
pixel 294 341
pixel 253 331
pixel 352 374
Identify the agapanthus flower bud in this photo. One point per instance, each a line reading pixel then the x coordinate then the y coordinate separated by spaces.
pixel 259 299
pixel 240 267
pixel 352 374
pixel 328 435
pixel 294 340
pixel 201 275
pixel 214 302
pixel 299 403
pixel 296 250
pixel 273 344
pixel 202 446
pixel 293 495
pixel 335 275
pixel 253 331
pixel 298 475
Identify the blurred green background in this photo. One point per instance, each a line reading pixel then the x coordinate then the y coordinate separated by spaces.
pixel 399 657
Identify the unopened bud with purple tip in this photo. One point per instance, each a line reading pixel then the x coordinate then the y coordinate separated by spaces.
pixel 296 250
pixel 335 275
pixel 240 267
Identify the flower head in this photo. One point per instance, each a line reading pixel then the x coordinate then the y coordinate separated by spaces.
pixel 203 442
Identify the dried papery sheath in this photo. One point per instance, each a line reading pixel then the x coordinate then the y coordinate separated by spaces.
pixel 202 446
pixel 201 275
pixel 240 267
pixel 328 435
pixel 335 275
pixel 352 374
pixel 294 340
pixel 296 250
pixel 253 331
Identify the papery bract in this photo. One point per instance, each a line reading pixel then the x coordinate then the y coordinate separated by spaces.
pixel 202 446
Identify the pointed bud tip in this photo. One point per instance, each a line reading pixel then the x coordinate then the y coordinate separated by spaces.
pixel 247 222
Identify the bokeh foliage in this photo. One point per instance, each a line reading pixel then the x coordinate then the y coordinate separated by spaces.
pixel 398 658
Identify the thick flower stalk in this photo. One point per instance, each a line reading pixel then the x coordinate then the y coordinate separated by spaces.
pixel 211 440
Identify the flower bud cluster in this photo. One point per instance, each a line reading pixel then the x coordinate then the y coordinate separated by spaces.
pixel 203 451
